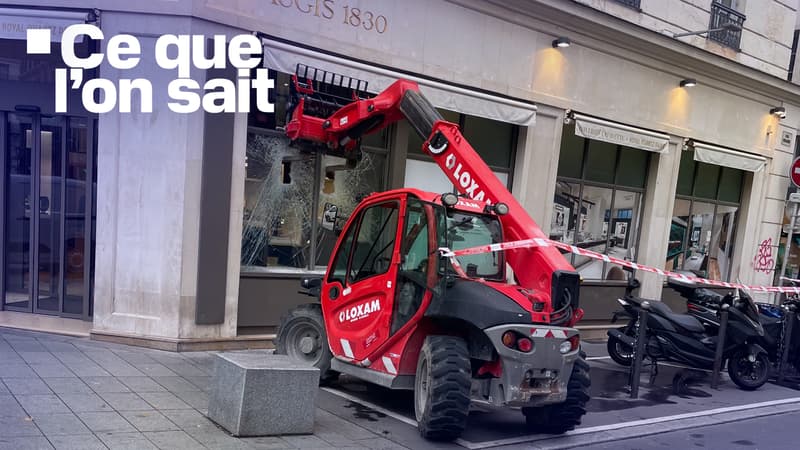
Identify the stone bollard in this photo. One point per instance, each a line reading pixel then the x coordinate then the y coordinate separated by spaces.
pixel 256 393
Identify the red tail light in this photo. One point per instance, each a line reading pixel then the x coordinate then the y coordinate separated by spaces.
pixel 524 344
pixel 575 341
pixel 516 341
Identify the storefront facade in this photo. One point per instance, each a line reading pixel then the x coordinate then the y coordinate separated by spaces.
pixel 598 141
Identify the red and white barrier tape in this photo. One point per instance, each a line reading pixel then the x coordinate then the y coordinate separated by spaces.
pixel 542 242
pixel 793 280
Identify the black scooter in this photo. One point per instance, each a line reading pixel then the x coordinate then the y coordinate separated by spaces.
pixel 704 305
pixel 683 339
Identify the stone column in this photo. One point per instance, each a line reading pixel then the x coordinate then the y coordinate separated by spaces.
pixel 536 165
pixel 149 205
pixel 654 231
pixel 760 221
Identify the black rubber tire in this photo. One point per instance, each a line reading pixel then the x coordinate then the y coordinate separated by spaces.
pixel 563 417
pixel 615 350
pixel 442 388
pixel 748 378
pixel 307 320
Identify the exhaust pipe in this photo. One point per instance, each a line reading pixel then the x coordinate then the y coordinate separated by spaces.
pixel 628 341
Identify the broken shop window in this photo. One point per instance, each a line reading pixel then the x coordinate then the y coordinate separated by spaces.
pixel 281 192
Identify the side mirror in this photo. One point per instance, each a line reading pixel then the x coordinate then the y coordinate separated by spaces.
pixel 310 283
pixel 633 284
pixel 311 286
pixel 329 215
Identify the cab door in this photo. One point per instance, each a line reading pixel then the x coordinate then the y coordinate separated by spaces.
pixel 358 291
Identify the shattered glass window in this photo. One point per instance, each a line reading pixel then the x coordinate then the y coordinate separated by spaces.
pixel 344 185
pixel 297 202
pixel 278 197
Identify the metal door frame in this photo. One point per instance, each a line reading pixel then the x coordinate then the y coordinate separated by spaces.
pixel 60 288
pixel 3 151
pixel 33 256
pixel 34 223
pixel 88 232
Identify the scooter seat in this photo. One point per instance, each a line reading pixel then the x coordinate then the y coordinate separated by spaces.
pixel 685 321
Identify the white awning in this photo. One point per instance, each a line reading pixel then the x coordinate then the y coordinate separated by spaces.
pixel 617 133
pixel 720 156
pixel 14 22
pixel 284 58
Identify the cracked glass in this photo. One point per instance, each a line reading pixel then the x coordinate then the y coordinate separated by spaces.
pixel 344 187
pixel 296 202
pixel 278 195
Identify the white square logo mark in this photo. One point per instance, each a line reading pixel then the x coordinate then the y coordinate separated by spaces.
pixel 38 40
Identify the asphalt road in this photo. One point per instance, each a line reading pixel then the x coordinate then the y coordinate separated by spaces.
pixel 777 432
pixel 687 415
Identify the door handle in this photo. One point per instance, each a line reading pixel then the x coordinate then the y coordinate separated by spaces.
pixel 333 293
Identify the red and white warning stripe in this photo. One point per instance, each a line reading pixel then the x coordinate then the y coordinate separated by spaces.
pixel 542 242
pixel 548 333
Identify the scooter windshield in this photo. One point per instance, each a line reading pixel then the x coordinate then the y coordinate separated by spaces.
pixel 750 310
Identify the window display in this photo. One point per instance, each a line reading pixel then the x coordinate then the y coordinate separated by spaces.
pixel 704 219
pixel 598 201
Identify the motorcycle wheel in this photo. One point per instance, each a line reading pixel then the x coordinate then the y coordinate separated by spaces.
pixel 748 375
pixel 618 351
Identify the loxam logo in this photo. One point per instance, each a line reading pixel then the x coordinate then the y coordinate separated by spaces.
pixel 464 179
pixel 469 204
pixel 360 311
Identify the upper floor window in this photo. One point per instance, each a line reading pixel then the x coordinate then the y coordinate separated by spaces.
pixel 635 4
pixel 725 14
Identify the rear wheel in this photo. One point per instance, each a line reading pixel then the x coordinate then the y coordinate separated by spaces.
pixel 619 352
pixel 747 371
pixel 301 336
pixel 442 387
pixel 563 417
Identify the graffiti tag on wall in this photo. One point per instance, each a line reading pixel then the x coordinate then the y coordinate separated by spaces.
pixel 764 262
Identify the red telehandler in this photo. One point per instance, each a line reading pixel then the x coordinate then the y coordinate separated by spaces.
pixel 395 311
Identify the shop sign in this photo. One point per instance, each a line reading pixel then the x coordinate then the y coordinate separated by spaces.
pixel 16 26
pixel 621 135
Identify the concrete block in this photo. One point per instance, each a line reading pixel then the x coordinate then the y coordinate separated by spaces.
pixel 260 394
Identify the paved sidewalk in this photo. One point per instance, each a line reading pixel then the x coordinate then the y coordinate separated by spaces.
pixel 73 393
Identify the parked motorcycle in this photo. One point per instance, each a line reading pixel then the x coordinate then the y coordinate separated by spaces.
pixel 704 305
pixel 683 339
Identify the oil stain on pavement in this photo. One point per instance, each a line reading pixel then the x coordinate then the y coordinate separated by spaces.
pixel 611 390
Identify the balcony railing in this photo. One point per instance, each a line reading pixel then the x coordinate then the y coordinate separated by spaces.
pixel 635 4
pixel 721 15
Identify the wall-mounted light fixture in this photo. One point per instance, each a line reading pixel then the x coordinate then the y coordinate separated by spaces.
pixel 561 42
pixel 778 111
pixel 688 82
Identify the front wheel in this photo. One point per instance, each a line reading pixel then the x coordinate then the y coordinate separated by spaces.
pixel 301 336
pixel 618 351
pixel 748 371
pixel 442 388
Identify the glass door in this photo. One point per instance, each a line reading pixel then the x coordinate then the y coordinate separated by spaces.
pixel 47 213
pixel 17 217
pixel 49 226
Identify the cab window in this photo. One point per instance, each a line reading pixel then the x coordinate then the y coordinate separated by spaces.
pixel 465 230
pixel 374 244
